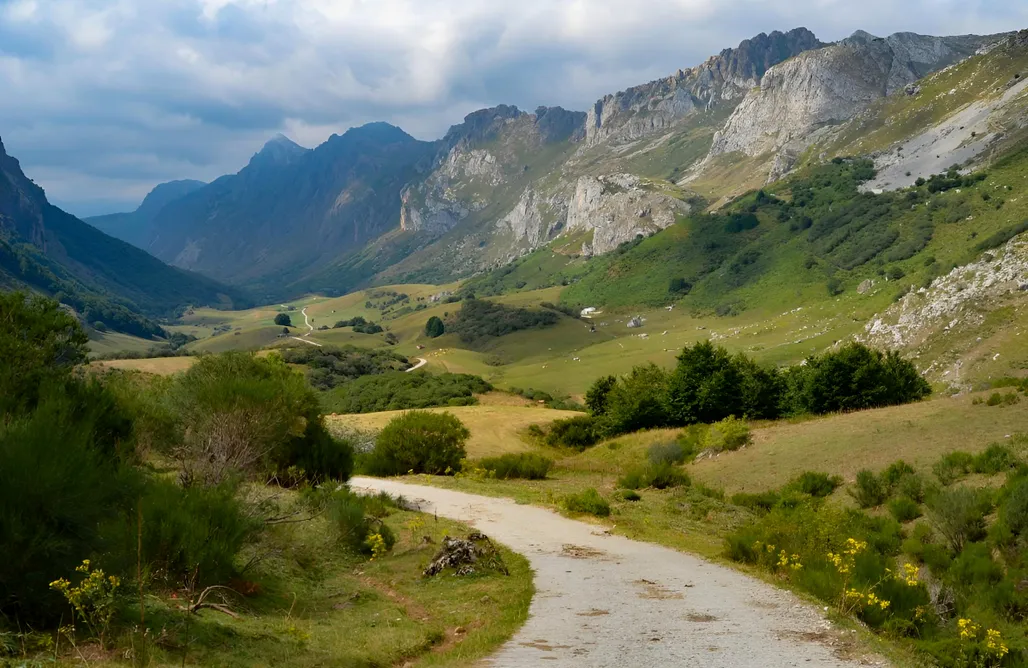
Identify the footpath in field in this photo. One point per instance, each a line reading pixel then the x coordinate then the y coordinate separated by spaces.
pixel 604 600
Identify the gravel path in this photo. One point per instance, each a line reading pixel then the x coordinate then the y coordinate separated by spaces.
pixel 605 600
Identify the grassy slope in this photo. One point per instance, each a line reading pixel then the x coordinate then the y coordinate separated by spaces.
pixel 320 606
pixel 495 429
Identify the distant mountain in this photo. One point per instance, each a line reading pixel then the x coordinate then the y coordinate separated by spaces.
pixel 42 248
pixel 134 226
pixel 291 210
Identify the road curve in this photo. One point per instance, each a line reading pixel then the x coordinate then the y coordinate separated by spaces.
pixel 310 327
pixel 421 362
pixel 605 600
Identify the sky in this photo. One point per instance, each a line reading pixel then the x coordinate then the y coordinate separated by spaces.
pixel 103 99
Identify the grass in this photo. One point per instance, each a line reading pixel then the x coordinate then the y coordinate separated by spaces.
pixel 495 429
pixel 319 605
pixel 162 366
pixel 843 444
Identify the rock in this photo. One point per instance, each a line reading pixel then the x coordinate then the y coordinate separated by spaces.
pixel 635 322
pixel 865 286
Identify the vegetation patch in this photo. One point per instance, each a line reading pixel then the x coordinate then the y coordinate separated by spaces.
pixel 397 390
pixel 480 320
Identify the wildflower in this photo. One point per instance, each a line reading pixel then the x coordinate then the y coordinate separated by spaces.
pixel 968 629
pixel 994 644
pixel 909 576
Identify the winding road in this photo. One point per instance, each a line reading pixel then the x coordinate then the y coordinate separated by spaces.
pixel 421 362
pixel 604 600
pixel 310 330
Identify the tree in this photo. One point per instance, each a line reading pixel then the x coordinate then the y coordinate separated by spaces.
pixel 284 320
pixel 421 442
pixel 391 339
pixel 434 328
pixel 679 286
pixel 596 397
pixel 704 387
pixel 638 401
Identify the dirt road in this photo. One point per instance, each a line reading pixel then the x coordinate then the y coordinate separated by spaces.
pixel 604 600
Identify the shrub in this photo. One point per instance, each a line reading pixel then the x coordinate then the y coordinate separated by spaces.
pixel 588 501
pixel 397 390
pixel 283 320
pixel 349 514
pixel 577 432
pixel 657 476
pixel 895 472
pixel 816 484
pixel 480 320
pixel 191 536
pixel 904 509
pixel 421 442
pixel 1014 511
pixel 869 491
pixel 525 465
pixel 638 401
pixel 331 366
pixel 596 397
pixel 995 459
pixel 628 495
pixel 958 514
pixel 726 435
pixel 761 501
pixel 853 378
pixel 669 452
pixel 434 328
pixel 953 467
pixel 247 415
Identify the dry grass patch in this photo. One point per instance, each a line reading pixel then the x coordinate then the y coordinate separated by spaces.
pixel 843 444
pixel 495 429
pixel 162 366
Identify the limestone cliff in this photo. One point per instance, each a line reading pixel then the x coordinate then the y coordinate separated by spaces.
pixel 823 88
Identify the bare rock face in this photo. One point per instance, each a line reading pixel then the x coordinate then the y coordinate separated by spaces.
pixel 658 105
pixel 822 88
pixel 617 208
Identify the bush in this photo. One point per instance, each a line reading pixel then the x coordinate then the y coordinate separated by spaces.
pixel 332 366
pixel 525 465
pixel 191 536
pixel 669 452
pixel 709 385
pixel 1014 511
pixel 816 484
pixel 480 320
pixel 250 416
pixel 953 467
pixel 577 432
pixel 629 495
pixel 421 442
pixel 727 435
pixel 995 459
pixel 434 328
pixel 904 509
pixel 398 390
pixel 870 491
pixel 958 514
pixel 855 377
pixel 596 396
pixel 657 476
pixel 283 320
pixel 762 501
pixel 638 401
pixel 349 514
pixel 588 501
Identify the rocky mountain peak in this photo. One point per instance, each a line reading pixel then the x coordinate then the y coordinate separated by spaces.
pixel 656 106
pixel 279 150
pixel 482 125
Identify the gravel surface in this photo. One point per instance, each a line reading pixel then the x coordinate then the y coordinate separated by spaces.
pixel 605 600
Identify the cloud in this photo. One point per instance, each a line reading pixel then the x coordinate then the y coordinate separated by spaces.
pixel 102 99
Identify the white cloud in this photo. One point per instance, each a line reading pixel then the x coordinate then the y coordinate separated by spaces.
pixel 132 92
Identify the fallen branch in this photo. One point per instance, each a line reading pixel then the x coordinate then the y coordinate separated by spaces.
pixel 465 554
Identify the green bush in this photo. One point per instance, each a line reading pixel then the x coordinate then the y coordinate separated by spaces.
pixel 250 416
pixel 434 328
pixel 816 484
pixel 761 501
pixel 191 536
pixel 628 495
pixel 638 401
pixel 1014 511
pixel 953 467
pixel 64 491
pixel 855 377
pixel 709 385
pixel 524 465
pixel 480 320
pixel 997 399
pixel 349 514
pixel 577 432
pixel 332 366
pixel 869 491
pixel 958 514
pixel 283 320
pixel 657 476
pixel 397 390
pixel 994 459
pixel 596 396
pixel 588 501
pixel 421 442
pixel 726 435
pixel 895 472
pixel 669 452
pixel 904 509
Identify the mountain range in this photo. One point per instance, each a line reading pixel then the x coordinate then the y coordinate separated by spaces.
pixel 377 206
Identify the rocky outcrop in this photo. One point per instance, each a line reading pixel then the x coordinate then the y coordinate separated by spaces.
pixel 825 87
pixel 658 105
pixel 617 208
pixel 525 221
pixel 960 299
